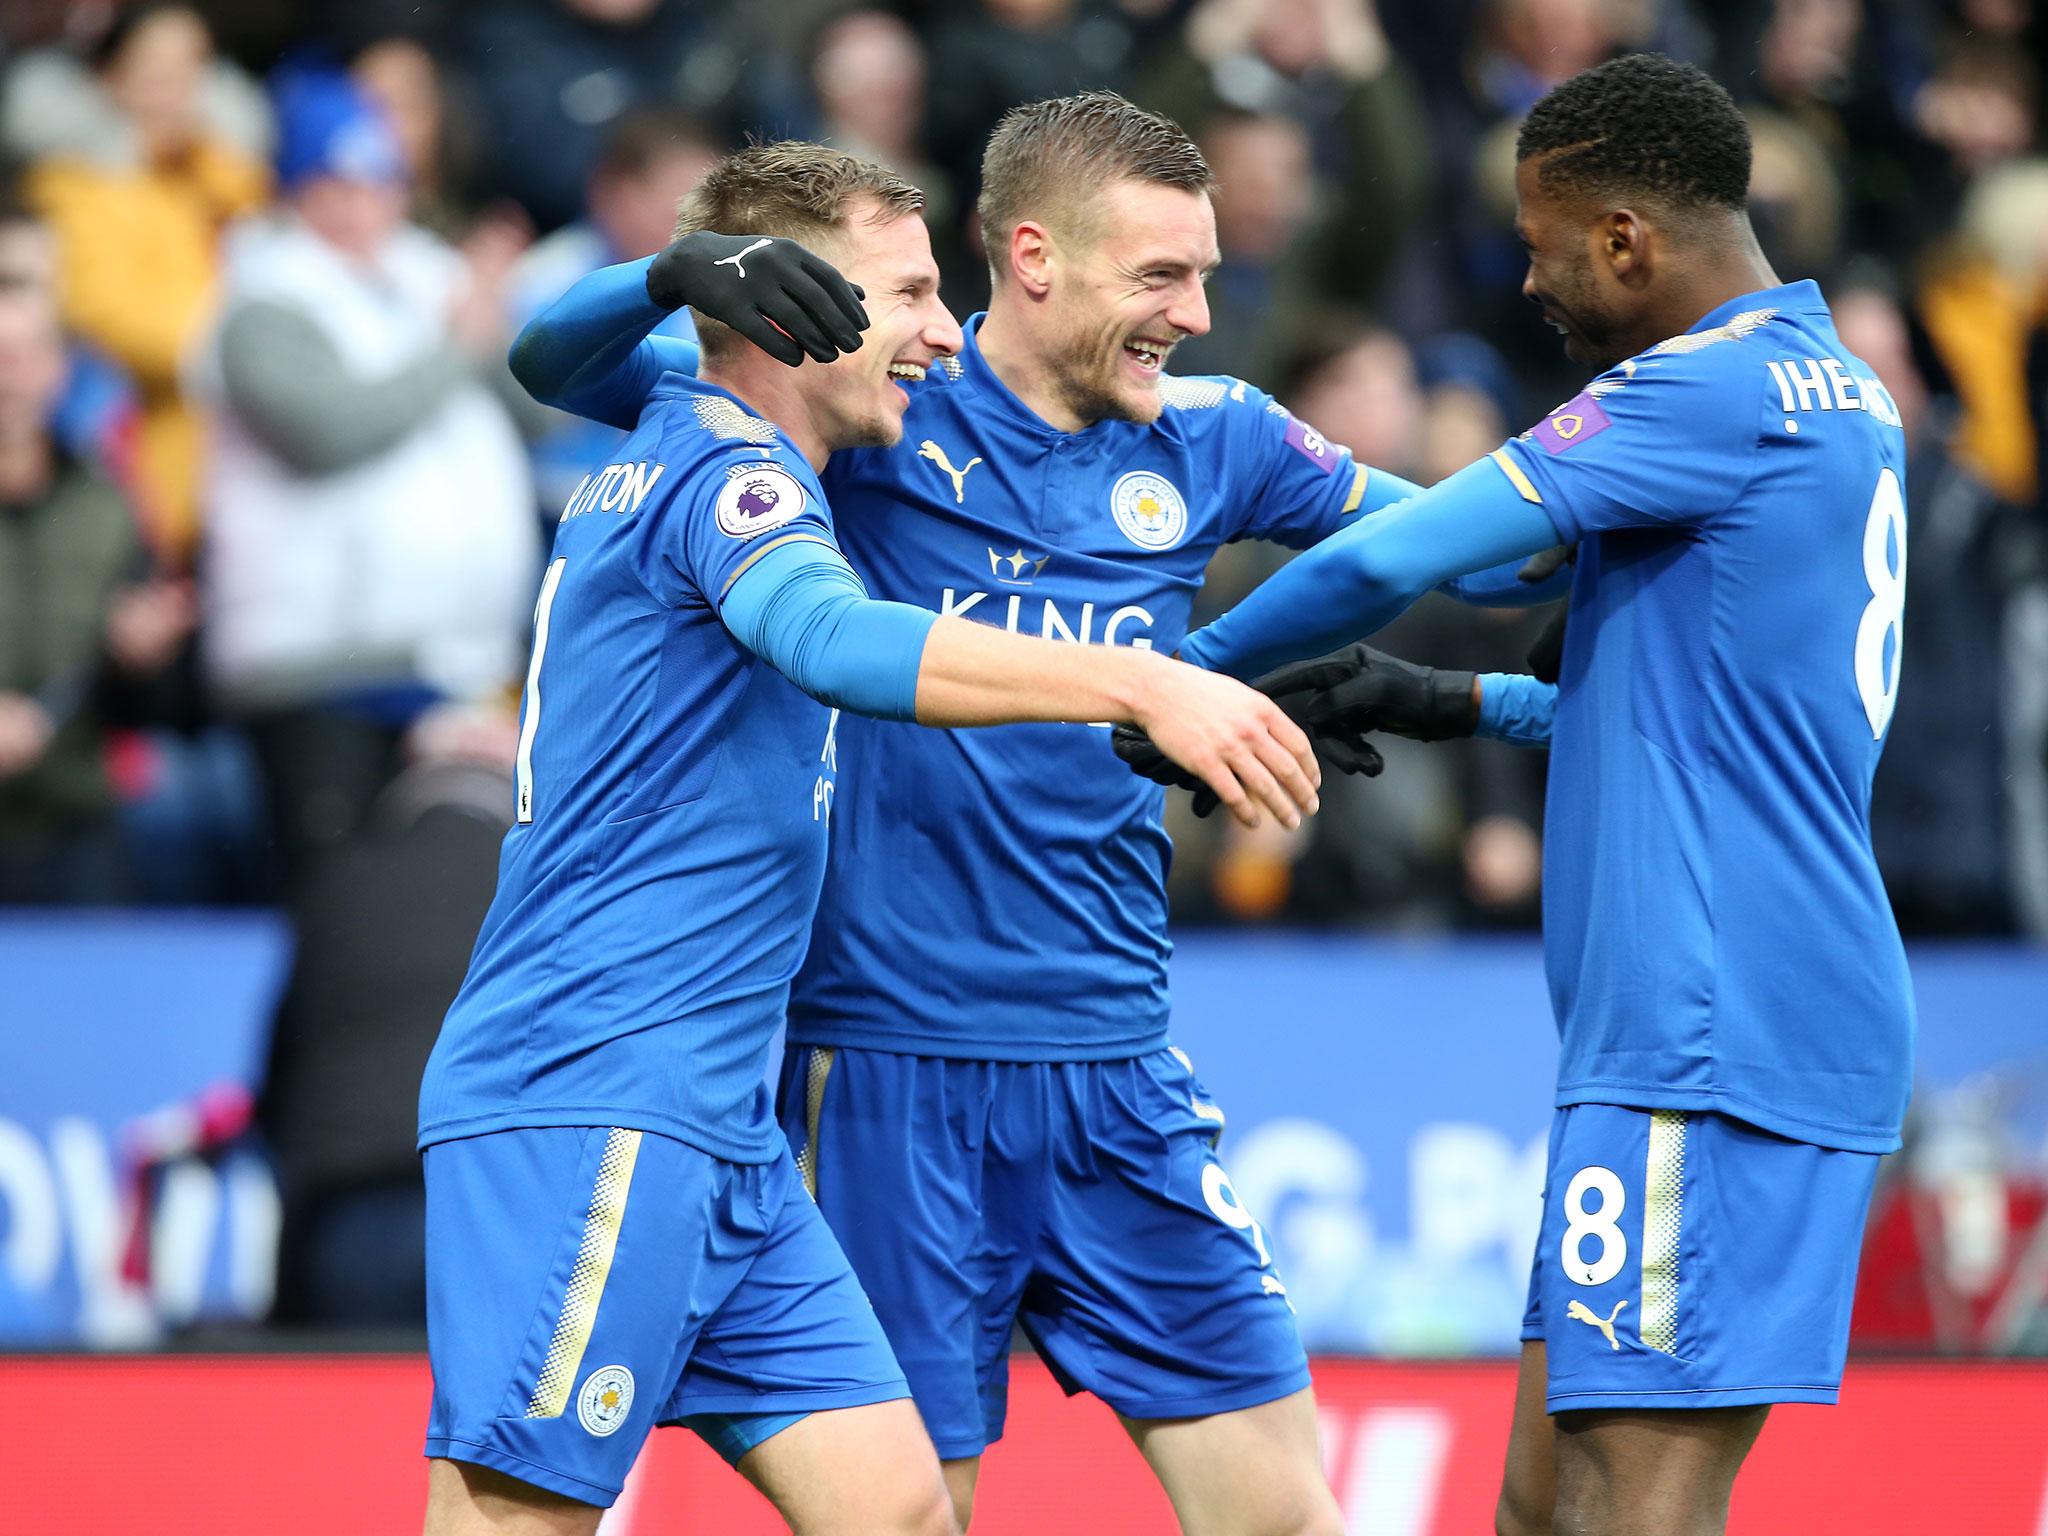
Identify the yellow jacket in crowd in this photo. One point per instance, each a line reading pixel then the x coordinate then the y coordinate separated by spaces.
pixel 140 259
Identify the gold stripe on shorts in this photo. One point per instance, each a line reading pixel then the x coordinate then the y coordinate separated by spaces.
pixel 1663 1208
pixel 586 1280
pixel 817 1067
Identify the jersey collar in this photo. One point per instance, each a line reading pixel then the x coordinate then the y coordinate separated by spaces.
pixel 1803 297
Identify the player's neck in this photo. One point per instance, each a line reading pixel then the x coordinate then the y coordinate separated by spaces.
pixel 1728 274
pixel 769 389
pixel 1006 348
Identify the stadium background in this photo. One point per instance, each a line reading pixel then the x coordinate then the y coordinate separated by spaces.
pixel 220 967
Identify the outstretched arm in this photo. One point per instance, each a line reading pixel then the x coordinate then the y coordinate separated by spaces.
pixel 1353 584
pixel 798 605
pixel 1516 584
pixel 590 352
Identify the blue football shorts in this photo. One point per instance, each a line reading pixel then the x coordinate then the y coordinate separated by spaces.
pixel 585 1284
pixel 1081 1200
pixel 1691 1260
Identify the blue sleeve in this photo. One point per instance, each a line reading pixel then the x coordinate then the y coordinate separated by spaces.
pixel 1355 583
pixel 590 352
pixel 1502 587
pixel 1668 439
pixel 717 519
pixel 1305 487
pixel 801 609
pixel 1515 707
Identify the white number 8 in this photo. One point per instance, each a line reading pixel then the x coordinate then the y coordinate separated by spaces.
pixel 1603 1224
pixel 1886 612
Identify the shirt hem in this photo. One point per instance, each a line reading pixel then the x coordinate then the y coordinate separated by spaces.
pixel 1718 1101
pixel 952 1048
pixel 461 1127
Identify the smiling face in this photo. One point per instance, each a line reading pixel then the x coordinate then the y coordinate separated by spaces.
pixel 1572 273
pixel 858 400
pixel 1125 286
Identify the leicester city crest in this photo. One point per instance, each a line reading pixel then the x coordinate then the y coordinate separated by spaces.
pixel 1150 511
pixel 606 1399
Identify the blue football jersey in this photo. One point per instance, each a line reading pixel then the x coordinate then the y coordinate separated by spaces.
pixel 1000 893
pixel 1716 932
pixel 655 894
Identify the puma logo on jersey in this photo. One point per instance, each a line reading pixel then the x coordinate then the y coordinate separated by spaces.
pixel 738 258
pixel 931 450
pixel 1578 1311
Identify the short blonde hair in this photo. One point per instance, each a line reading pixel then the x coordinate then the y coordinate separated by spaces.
pixel 793 191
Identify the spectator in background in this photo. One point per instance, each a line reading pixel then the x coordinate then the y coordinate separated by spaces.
pixel 1985 306
pixel 1326 65
pixel 79 617
pixel 385 929
pixel 868 78
pixel 552 76
pixel 1470 398
pixel 371 541
pixel 988 56
pixel 1528 46
pixel 138 184
pixel 96 417
pixel 1795 197
pixel 1937 813
pixel 1261 298
pixel 402 78
pixel 651 158
pixel 1978 110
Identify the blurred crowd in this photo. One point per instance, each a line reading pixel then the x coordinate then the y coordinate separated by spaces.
pixel 271 509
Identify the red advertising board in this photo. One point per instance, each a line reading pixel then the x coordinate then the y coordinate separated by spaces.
pixel 329 1446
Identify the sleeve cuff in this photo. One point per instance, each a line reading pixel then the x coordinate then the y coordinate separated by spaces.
pixel 1515 707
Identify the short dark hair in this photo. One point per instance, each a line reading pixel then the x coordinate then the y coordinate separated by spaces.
pixel 1642 127
pixel 792 190
pixel 1047 159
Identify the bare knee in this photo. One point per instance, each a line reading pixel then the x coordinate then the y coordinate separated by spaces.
pixel 935 1515
pixel 1518 1514
pixel 1528 1496
pixel 961 1475
pixel 1308 1509
pixel 929 1513
pixel 1669 1472
pixel 1326 1521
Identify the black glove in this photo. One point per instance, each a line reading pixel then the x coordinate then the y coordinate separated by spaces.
pixel 1546 652
pixel 1540 567
pixel 756 284
pixel 1345 751
pixel 1358 690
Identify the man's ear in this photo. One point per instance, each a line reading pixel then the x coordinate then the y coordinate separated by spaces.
pixel 1033 254
pixel 1626 244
